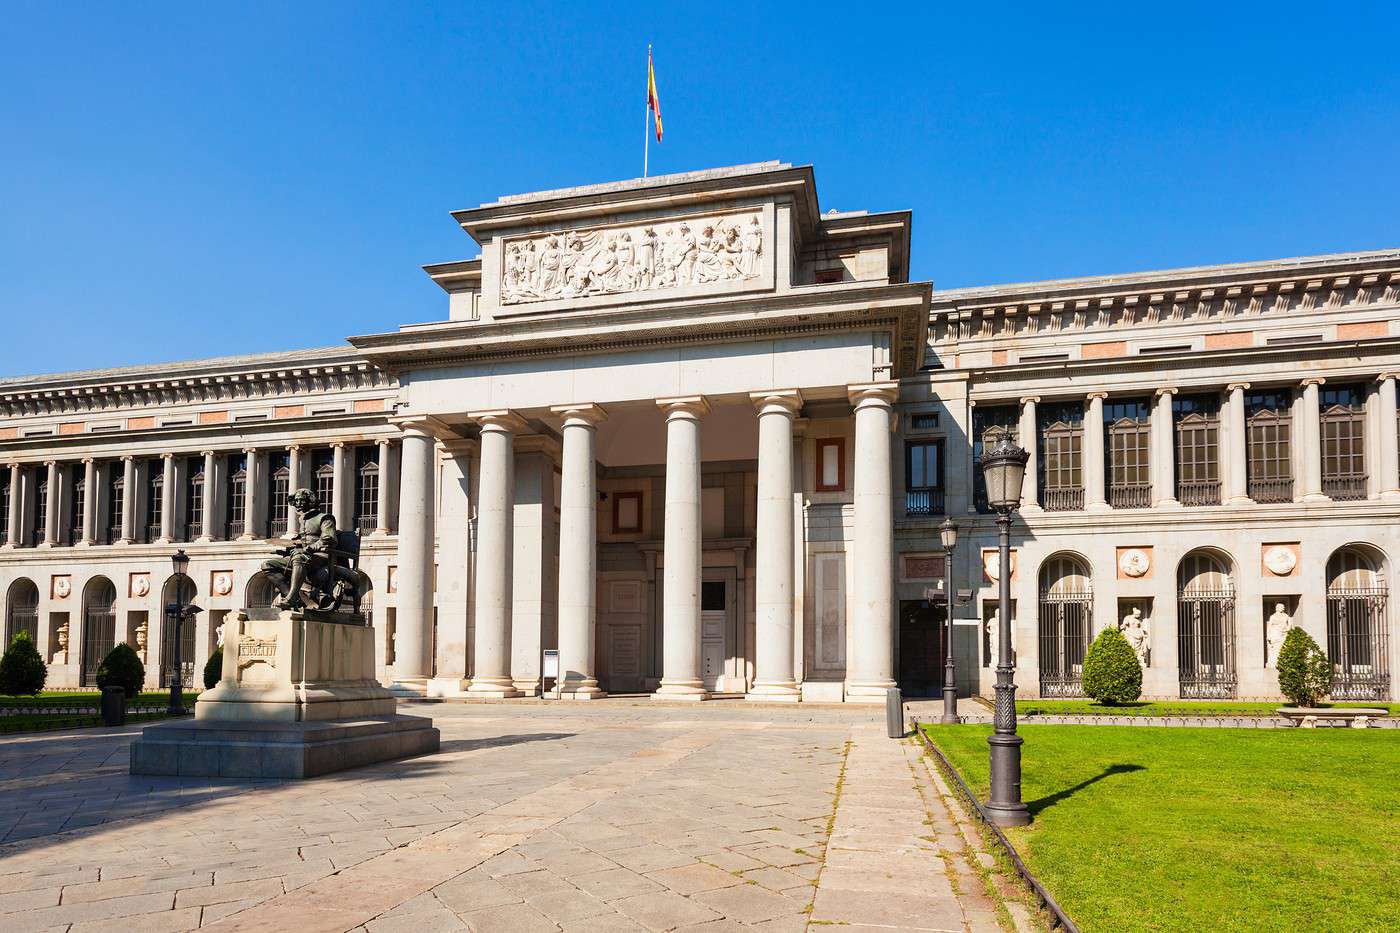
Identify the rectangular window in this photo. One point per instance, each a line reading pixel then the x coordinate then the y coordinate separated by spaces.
pixel 116 503
pixel 280 466
pixel 41 505
pixel 1197 449
pixel 194 499
pixel 367 489
pixel 1343 442
pixel 1269 424
pixel 1061 456
pixel 78 503
pixel 323 475
pixel 1128 453
pixel 155 499
pixel 988 424
pixel 923 478
pixel 924 421
pixel 237 471
pixel 627 512
pixel 831 464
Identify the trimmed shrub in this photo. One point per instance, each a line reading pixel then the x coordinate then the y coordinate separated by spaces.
pixel 122 668
pixel 1112 673
pixel 214 669
pixel 22 671
pixel 1304 673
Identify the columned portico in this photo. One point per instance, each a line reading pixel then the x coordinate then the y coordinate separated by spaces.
pixel 680 665
pixel 773 599
pixel 578 541
pixel 494 543
pixel 1163 457
pixel 870 671
pixel 1093 453
pixel 413 663
pixel 1237 441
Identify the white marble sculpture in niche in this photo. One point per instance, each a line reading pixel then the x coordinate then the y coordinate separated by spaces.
pixel 645 257
pixel 1276 630
pixel 1134 629
pixel 993 628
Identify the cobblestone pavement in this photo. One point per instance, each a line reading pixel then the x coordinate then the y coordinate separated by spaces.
pixel 610 816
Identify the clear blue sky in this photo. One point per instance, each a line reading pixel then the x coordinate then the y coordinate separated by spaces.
pixel 178 181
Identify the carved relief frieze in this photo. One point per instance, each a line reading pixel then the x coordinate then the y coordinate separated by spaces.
pixel 633 258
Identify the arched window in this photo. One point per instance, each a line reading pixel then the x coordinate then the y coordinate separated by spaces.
pixel 1205 627
pixel 1066 621
pixel 99 626
pixel 22 610
pixel 260 592
pixel 177 587
pixel 1356 624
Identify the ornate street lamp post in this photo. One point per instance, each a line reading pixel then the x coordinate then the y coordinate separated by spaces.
pixel 176 612
pixel 948 533
pixel 1003 468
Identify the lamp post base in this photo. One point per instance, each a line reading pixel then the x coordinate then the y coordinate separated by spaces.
pixel 1005 807
pixel 950 706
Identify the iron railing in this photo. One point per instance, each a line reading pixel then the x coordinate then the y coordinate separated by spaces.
pixel 235 529
pixel 366 524
pixel 277 527
pixel 1062 499
pixel 1206 492
pixel 152 532
pixel 1130 495
pixel 75 534
pixel 1205 625
pixel 1345 486
pixel 1271 490
pixel 1064 638
pixel 193 530
pixel 1357 644
pixel 114 534
pixel 923 500
pixel 99 637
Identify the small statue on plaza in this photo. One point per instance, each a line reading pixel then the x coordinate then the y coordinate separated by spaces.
pixel 314 570
pixel 1276 631
pixel 1134 629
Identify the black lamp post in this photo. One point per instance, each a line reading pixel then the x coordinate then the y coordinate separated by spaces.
pixel 1003 468
pixel 948 533
pixel 176 613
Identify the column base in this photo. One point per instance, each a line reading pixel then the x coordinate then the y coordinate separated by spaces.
pixel 43 545
pixel 581 692
pixel 409 687
pixel 785 692
pixel 1239 500
pixel 84 544
pixel 448 686
pixel 493 688
pixel 680 690
pixel 204 539
pixel 1099 507
pixel 1031 507
pixel 1316 497
pixel 124 542
pixel 868 692
pixel 1167 504
pixel 529 688
pixel 1391 495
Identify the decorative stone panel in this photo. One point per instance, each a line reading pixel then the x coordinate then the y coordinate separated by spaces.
pixel 139 585
pixel 1281 560
pixel 1134 563
pixel 991 565
pixel 919 567
pixel 60 586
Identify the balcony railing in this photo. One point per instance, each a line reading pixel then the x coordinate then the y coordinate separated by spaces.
pixel 75 534
pixel 277 527
pixel 235 529
pixel 114 534
pixel 152 532
pixel 366 524
pixel 1199 493
pixel 193 530
pixel 1130 495
pixel 1271 490
pixel 924 500
pixel 1345 486
pixel 1066 499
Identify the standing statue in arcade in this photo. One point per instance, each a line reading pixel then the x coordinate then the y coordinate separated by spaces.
pixel 315 568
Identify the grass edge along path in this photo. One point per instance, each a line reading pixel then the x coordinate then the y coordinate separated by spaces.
pixel 1173 708
pixel 1149 828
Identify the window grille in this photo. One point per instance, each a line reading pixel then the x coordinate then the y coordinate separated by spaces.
pixel 988 424
pixel 1344 443
pixel 924 420
pixel 1357 632
pixel 1269 424
pixel 155 502
pixel 194 505
pixel 1065 624
pixel 1129 454
pixel 281 478
pixel 99 627
pixel 22 610
pixel 75 515
pixel 1197 450
pixel 237 503
pixel 923 478
pixel 367 501
pixel 1205 626
pixel 116 505
pixel 1061 458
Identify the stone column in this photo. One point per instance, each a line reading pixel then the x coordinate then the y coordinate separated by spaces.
pixel 294 482
pixel 494 544
pixel 870 665
pixel 209 527
pixel 451 646
pixel 1163 452
pixel 413 662
pixel 773 561
pixel 578 553
pixel 167 499
pixel 1026 436
pixel 1094 493
pixel 343 508
pixel 12 531
pixel 386 484
pixel 1311 447
pixel 130 495
pixel 680 581
pixel 52 502
pixel 254 466
pixel 1237 446
pixel 1390 457
pixel 90 493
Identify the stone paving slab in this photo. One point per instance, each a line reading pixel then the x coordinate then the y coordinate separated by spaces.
pixel 544 817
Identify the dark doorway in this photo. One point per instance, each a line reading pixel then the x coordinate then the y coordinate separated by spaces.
pixel 920 648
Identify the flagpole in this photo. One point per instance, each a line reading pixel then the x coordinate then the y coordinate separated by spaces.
pixel 646 124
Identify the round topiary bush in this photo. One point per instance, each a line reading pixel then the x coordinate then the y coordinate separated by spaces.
pixel 1304 673
pixel 22 671
pixel 214 669
pixel 122 668
pixel 1111 670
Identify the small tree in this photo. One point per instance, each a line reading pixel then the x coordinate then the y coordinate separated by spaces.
pixel 122 668
pixel 22 671
pixel 1111 670
pixel 1304 673
pixel 214 669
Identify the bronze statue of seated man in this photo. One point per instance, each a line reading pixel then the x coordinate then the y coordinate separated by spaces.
pixel 311 568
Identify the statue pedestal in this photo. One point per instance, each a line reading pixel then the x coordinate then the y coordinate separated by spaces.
pixel 298 698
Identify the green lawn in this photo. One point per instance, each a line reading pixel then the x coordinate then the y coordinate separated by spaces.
pixel 1166 708
pixel 1151 828
pixel 58 698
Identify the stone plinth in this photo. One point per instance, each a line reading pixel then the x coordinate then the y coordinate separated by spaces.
pixel 298 698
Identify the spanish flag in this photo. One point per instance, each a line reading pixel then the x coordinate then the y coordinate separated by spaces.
pixel 653 101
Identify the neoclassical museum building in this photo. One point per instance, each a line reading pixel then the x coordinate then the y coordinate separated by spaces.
pixel 699 437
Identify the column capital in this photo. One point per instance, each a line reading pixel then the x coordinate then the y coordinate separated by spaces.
pixel 1166 390
pixel 1387 376
pixel 1100 395
pixel 1313 381
pixel 421 425
pixel 1242 386
pixel 126 458
pixel 50 463
pixel 1030 400
pixel 206 453
pixel 872 394
pixel 693 406
pixel 498 419
pixel 788 401
pixel 580 414
pixel 337 445
pixel 167 455
pixel 87 460
pixel 250 450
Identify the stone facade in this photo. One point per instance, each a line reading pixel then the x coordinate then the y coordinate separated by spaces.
pixel 712 459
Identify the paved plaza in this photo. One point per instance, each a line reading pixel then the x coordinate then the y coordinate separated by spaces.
pixel 611 816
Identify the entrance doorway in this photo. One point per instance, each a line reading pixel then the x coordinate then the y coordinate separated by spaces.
pixel 921 648
pixel 714 623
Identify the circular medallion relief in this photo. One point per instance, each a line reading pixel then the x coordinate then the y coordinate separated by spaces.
pixel 62 586
pixel 1280 560
pixel 141 585
pixel 1134 562
pixel 223 584
pixel 991 564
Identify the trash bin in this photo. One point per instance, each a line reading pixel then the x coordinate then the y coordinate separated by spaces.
pixel 894 713
pixel 113 706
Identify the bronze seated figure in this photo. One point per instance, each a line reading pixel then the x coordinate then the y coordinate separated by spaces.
pixel 316 570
